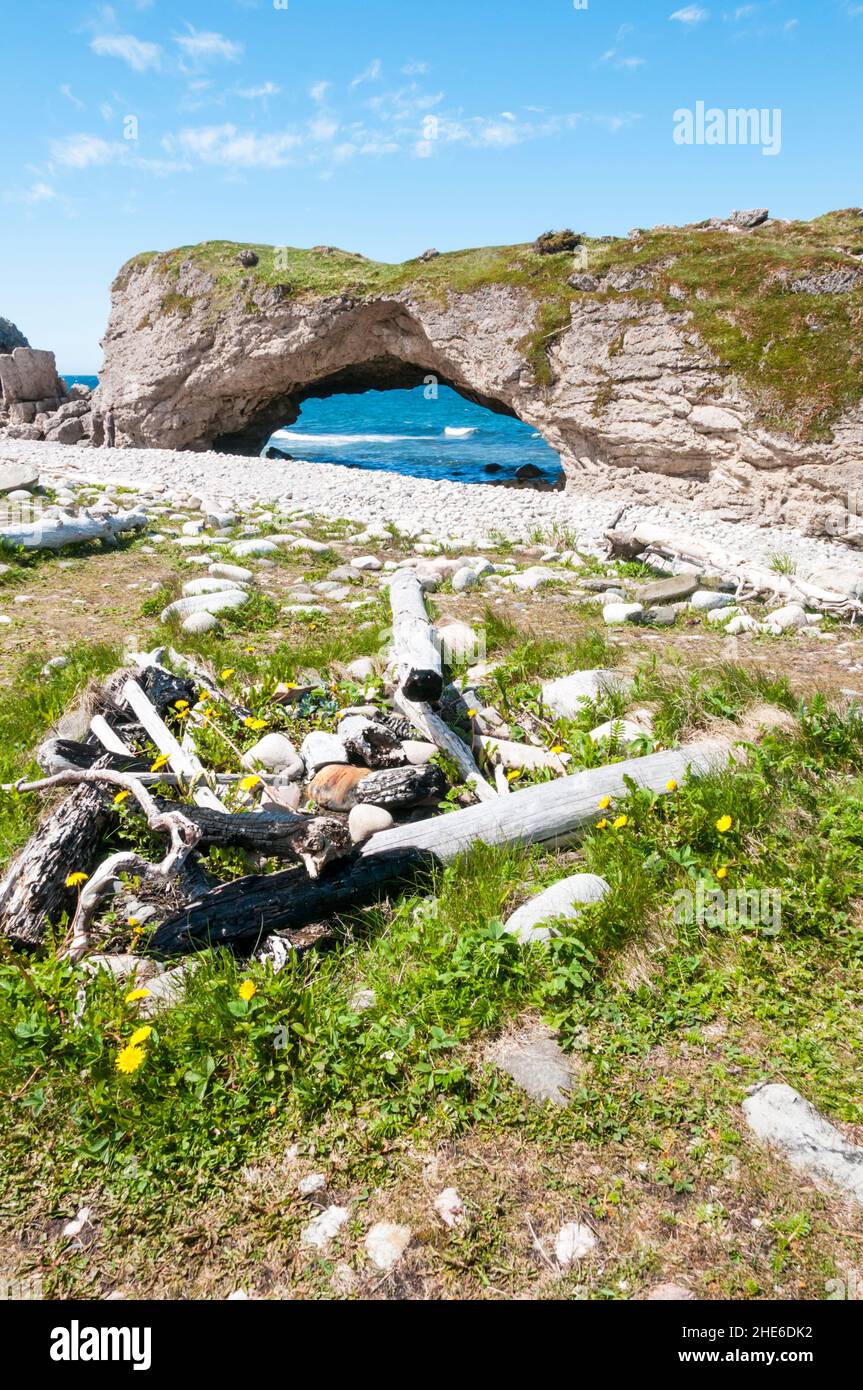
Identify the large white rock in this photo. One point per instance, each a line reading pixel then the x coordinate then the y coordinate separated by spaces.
pixel 706 600
pixel 458 642
pixel 205 603
pixel 614 613
pixel 562 900
pixel 199 623
pixel 780 1117
pixel 210 586
pixel 366 562
pixel 253 547
pixel 365 821
pixel 624 731
pixel 567 696
pixel 275 753
pixel 786 619
pixel 235 572
pixel 319 748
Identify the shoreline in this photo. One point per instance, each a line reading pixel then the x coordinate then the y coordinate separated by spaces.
pixel 461 512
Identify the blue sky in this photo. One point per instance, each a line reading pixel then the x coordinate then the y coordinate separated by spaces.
pixel 386 126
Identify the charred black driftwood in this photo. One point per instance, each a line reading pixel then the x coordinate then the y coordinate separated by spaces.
pixel 58 753
pixel 246 911
pixel 33 893
pixel 397 788
pixel 315 839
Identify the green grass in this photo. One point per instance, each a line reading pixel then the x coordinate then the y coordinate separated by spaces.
pixel 28 705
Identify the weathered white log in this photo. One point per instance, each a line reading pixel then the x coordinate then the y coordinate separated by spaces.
pixel 107 737
pixel 432 727
pixel 417 653
pixel 750 577
pixel 501 781
pixel 71 528
pixel 551 814
pixel 181 831
pixel 183 762
pixel 508 754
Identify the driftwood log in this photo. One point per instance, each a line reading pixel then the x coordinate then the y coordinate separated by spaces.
pixel 181 760
pixel 752 579
pixel 71 528
pixel 399 788
pixel 315 840
pixel 246 911
pixel 182 835
pixel 417 653
pixel 433 728
pixel 552 813
pixel 33 894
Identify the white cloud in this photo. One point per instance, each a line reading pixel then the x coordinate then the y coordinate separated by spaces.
pixel 619 61
pixel 37 193
pixel 82 151
pixel 229 147
pixel 266 89
pixel 67 92
pixel 201 46
pixel 371 74
pixel 415 69
pixel 323 129
pixel 690 15
pixel 139 54
pixel 319 91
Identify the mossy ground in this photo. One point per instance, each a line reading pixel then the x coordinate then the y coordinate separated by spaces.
pixel 798 356
pixel 190 1166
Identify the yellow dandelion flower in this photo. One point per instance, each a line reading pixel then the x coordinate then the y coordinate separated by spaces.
pixel 247 990
pixel 621 822
pixel 75 880
pixel 227 673
pixel 671 785
pixel 558 748
pixel 604 803
pixel 129 1059
pixel 140 1035
pixel 162 761
pixel 514 774
pixel 471 714
pixel 135 994
pixel 723 872
pixel 249 650
pixel 251 723
pixel 134 923
pixel 181 704
pixel 724 823
pixel 248 782
pixel 602 824
pixel 183 713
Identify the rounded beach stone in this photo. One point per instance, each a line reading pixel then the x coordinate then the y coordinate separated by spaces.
pixel 364 821
pixel 199 623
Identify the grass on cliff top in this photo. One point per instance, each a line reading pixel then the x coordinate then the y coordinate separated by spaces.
pixel 798 356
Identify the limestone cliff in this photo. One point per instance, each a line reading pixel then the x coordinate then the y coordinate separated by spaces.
pixel 714 360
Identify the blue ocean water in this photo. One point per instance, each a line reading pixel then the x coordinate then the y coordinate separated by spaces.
pixel 403 432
